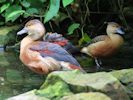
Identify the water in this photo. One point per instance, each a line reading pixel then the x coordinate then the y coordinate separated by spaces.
pixel 15 78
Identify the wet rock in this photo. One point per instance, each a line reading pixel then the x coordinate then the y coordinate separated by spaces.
pixel 125 76
pixel 65 83
pixel 54 87
pixel 28 96
pixel 5 30
pixel 87 96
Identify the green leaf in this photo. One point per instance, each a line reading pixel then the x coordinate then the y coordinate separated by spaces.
pixel 37 4
pixel 72 27
pixel 53 10
pixel 25 4
pixel 66 2
pixel 13 12
pixel 85 38
pixel 30 12
pixel 4 7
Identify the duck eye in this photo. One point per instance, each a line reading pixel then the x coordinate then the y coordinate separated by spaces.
pixel 29 25
pixel 113 26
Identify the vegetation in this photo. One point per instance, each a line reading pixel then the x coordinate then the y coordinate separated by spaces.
pixel 82 18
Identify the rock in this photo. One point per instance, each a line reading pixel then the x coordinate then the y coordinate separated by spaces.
pixel 28 96
pixel 61 83
pixel 54 87
pixel 125 76
pixel 5 30
pixel 87 96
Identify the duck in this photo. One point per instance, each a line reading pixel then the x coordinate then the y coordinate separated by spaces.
pixel 43 57
pixel 103 46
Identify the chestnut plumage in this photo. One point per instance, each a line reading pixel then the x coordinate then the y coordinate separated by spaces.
pixel 105 45
pixel 43 57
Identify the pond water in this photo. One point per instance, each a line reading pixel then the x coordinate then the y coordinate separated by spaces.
pixel 15 78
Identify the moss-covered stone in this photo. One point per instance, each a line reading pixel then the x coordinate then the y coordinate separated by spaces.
pixel 87 96
pixel 5 30
pixel 77 82
pixel 125 76
pixel 54 88
pixel 28 96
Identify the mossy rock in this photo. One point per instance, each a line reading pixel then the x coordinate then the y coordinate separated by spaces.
pixel 125 76
pixel 4 31
pixel 28 96
pixel 76 82
pixel 87 96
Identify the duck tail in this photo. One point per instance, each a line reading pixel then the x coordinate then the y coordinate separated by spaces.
pixel 69 66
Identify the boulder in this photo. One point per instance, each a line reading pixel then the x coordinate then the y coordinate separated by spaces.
pixel 28 96
pixel 87 96
pixel 61 83
pixel 5 30
pixel 125 76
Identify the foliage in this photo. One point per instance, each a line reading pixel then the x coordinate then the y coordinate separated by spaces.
pixel 53 10
pixel 86 16
pixel 72 27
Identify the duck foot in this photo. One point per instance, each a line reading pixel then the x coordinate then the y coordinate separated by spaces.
pixel 103 69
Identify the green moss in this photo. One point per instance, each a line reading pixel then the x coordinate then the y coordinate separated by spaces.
pixel 56 90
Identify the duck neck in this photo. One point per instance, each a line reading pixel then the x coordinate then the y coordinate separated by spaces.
pixel 116 39
pixel 27 40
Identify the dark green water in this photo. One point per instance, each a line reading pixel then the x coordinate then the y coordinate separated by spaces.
pixel 15 78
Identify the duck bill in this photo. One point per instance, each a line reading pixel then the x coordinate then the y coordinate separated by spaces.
pixel 23 31
pixel 119 30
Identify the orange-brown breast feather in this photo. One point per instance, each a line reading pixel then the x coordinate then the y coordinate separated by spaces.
pixel 101 46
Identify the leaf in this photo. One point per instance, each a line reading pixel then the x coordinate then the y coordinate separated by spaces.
pixel 72 27
pixel 53 10
pixel 66 2
pixel 4 7
pixel 85 38
pixel 25 4
pixel 30 11
pixel 37 4
pixel 13 12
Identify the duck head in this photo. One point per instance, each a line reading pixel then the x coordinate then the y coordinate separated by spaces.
pixel 34 28
pixel 114 28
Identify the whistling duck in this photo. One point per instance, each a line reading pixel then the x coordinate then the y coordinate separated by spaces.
pixel 62 41
pixel 105 45
pixel 40 56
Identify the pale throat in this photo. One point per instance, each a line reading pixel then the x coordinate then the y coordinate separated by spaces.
pixel 27 40
pixel 116 39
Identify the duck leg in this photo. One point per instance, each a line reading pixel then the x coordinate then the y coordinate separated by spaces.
pixel 98 63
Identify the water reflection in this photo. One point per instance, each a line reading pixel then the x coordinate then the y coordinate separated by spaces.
pixel 15 78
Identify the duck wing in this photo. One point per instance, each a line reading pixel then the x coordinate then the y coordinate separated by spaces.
pixel 98 39
pixel 55 51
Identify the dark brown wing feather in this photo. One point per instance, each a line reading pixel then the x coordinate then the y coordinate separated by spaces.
pixel 98 39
